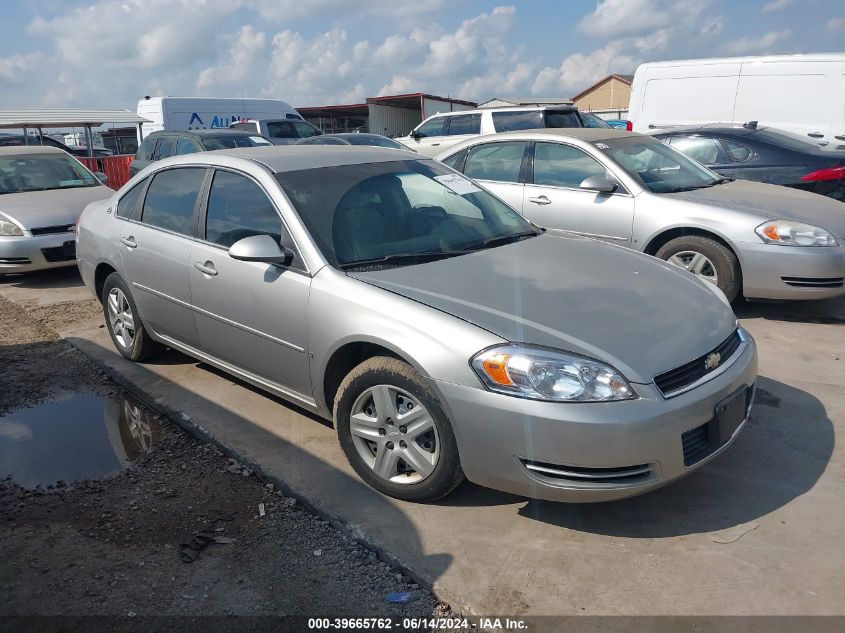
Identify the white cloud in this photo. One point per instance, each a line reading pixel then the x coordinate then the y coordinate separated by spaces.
pixel 776 5
pixel 245 55
pixel 16 67
pixel 579 70
pixel 763 44
pixel 629 18
pixel 834 24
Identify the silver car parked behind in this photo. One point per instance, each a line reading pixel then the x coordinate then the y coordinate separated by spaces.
pixel 761 240
pixel 443 333
pixel 43 190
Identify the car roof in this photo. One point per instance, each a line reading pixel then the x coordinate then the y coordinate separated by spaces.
pixel 569 107
pixel 583 133
pixel 282 158
pixel 203 132
pixel 30 149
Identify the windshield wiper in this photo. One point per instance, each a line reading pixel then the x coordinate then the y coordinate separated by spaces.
pixel 720 181
pixel 499 241
pixel 398 258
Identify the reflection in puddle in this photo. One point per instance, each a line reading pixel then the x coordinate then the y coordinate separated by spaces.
pixel 80 437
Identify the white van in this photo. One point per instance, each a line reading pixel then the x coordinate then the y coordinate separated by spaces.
pixel 804 94
pixel 190 113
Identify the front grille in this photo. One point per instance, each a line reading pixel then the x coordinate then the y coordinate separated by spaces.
pixel 51 230
pixel 621 475
pixel 59 254
pixel 17 261
pixel 814 282
pixel 672 381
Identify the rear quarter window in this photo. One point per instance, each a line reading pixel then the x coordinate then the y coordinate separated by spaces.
pixel 128 204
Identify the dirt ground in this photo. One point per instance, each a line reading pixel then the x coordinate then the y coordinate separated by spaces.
pixel 114 546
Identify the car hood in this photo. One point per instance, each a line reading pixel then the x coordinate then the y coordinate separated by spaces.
pixel 633 311
pixel 33 209
pixel 772 202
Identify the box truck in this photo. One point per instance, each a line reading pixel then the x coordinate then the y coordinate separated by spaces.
pixel 804 94
pixel 199 113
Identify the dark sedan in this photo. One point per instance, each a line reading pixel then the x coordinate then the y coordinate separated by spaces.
pixel 763 154
pixel 15 140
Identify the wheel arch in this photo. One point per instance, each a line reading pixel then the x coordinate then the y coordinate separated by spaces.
pixel 655 242
pixel 346 356
pixel 101 273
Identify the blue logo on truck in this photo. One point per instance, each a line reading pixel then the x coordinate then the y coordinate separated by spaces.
pixel 216 122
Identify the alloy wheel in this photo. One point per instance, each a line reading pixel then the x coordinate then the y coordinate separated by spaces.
pixel 394 434
pixel 121 319
pixel 696 263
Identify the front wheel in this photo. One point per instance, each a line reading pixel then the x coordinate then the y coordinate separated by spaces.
pixel 394 432
pixel 705 258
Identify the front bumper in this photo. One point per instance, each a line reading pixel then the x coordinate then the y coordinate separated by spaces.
pixel 27 253
pixel 522 446
pixel 770 271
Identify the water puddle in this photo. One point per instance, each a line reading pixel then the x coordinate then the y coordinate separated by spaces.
pixel 72 439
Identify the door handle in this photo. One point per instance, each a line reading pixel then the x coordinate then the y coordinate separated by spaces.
pixel 815 134
pixel 841 137
pixel 206 268
pixel 435 144
pixel 129 241
pixel 540 200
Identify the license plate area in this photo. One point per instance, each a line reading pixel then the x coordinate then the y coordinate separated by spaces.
pixel 727 417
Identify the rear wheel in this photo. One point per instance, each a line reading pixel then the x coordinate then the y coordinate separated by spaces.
pixel 705 258
pixel 394 432
pixel 125 327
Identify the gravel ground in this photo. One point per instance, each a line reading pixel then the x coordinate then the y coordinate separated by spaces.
pixel 112 547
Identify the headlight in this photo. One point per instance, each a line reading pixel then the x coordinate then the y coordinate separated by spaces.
pixel 789 233
pixel 10 228
pixel 542 374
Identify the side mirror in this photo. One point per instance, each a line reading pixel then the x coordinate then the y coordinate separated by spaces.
pixel 599 184
pixel 102 177
pixel 260 248
pixel 416 135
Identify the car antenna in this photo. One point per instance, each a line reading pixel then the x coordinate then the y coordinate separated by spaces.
pixel 750 125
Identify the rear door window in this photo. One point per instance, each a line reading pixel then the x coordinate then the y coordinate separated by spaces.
pixel 496 161
pixel 171 198
pixel 557 165
pixel 701 149
pixel 465 124
pixel 510 121
pixel 737 152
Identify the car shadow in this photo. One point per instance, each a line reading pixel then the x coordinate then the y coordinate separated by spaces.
pixel 825 311
pixel 50 279
pixel 780 455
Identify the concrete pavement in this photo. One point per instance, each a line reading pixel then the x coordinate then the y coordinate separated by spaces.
pixel 755 532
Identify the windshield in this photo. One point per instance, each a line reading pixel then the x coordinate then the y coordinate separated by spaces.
pixel 230 141
pixel 32 172
pixel 405 211
pixel 658 167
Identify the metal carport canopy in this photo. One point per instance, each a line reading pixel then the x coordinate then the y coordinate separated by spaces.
pixel 59 117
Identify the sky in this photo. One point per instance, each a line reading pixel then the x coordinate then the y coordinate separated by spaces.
pixel 110 53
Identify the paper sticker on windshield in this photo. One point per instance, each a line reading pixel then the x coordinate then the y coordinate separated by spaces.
pixel 601 145
pixel 458 184
pixel 259 140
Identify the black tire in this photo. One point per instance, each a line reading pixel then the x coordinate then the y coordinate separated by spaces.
pixel 724 261
pixel 142 346
pixel 381 370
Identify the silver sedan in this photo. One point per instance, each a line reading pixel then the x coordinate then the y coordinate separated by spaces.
pixel 42 193
pixel 444 334
pixel 749 238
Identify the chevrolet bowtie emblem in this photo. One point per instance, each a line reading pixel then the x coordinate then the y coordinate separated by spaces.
pixel 713 360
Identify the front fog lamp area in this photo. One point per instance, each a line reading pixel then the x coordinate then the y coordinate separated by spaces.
pixel 542 374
